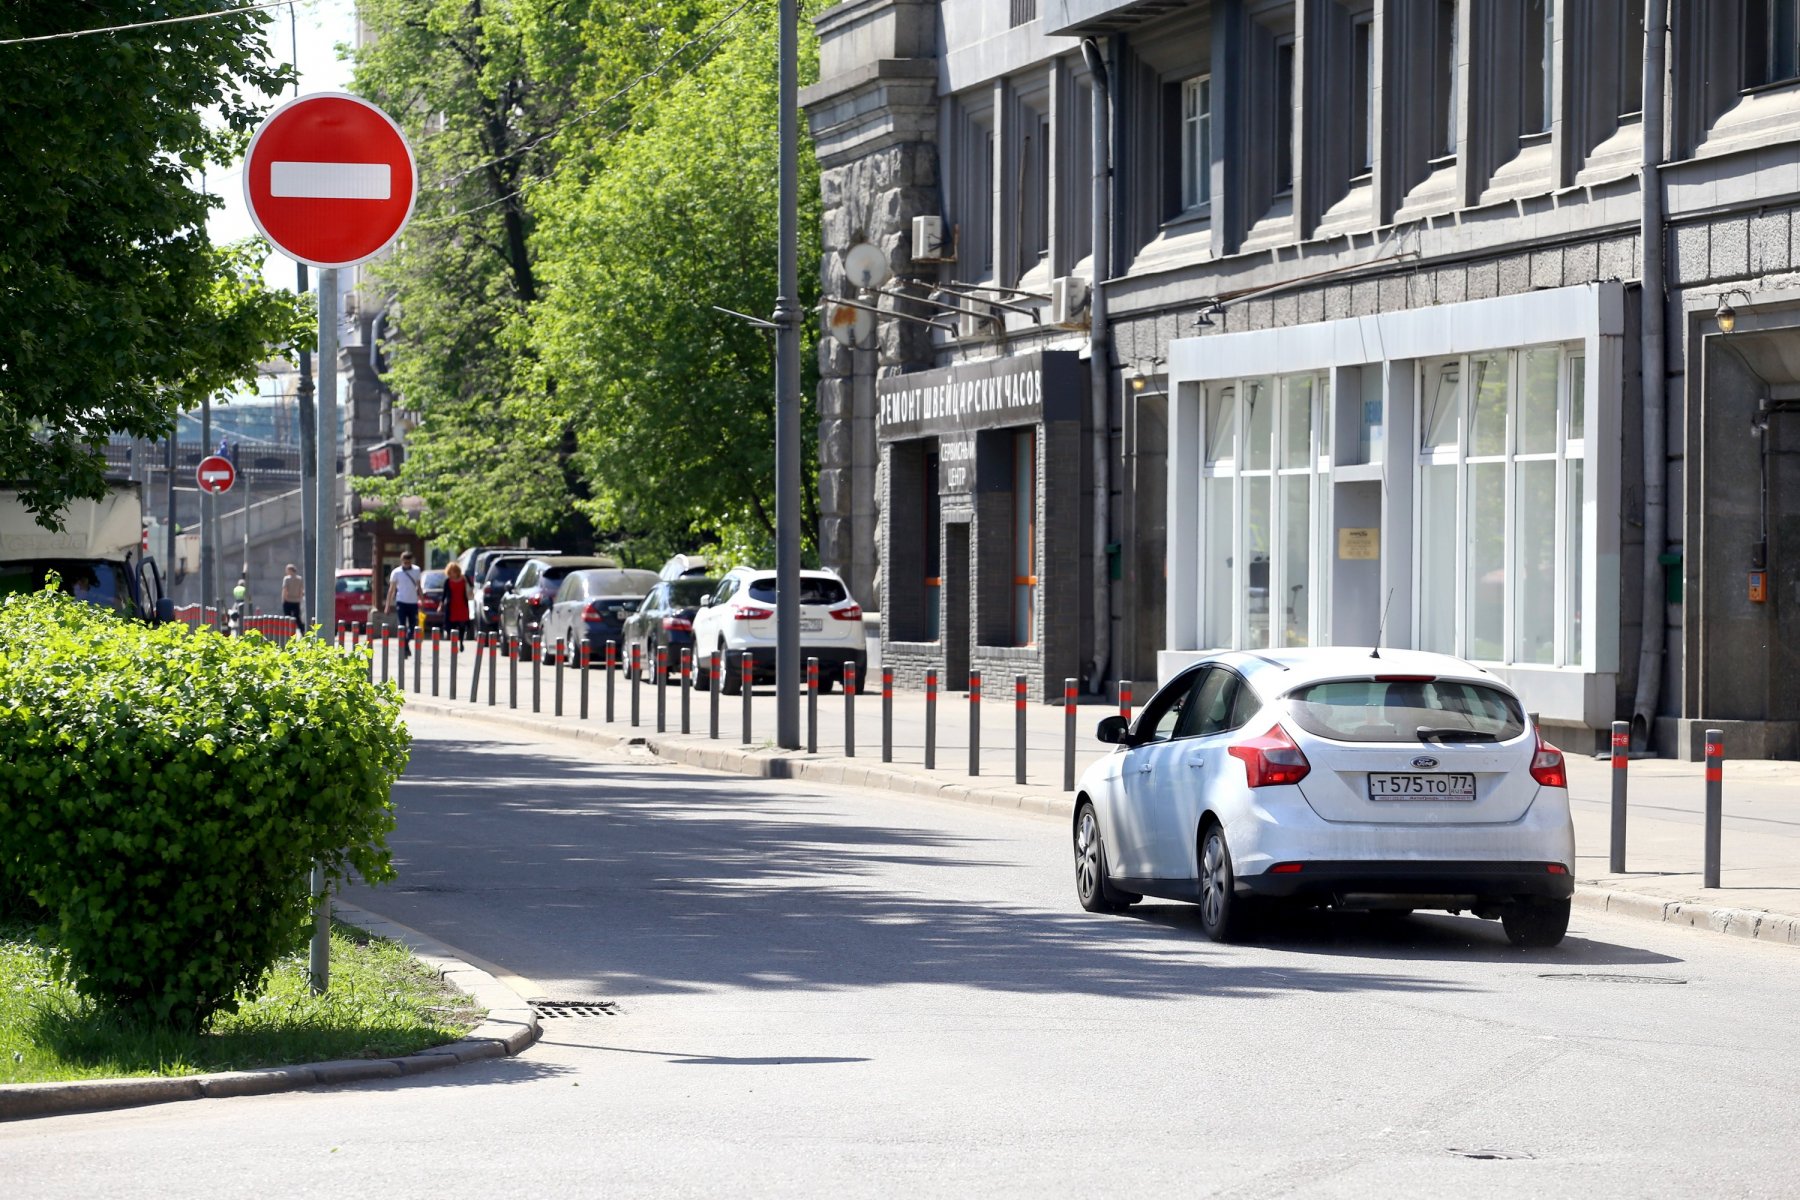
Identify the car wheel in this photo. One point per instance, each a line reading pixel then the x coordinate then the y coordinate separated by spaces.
pixel 1536 924
pixel 733 681
pixel 1092 887
pixel 1223 915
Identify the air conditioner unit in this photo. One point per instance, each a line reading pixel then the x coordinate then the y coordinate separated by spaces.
pixel 972 326
pixel 1069 302
pixel 928 240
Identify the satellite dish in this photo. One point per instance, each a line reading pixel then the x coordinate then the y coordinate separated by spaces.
pixel 866 265
pixel 854 327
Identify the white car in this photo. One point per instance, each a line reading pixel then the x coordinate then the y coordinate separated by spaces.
pixel 738 620
pixel 1330 777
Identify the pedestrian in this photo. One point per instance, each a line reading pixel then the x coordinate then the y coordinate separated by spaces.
pixel 240 604
pixel 403 597
pixel 456 601
pixel 293 594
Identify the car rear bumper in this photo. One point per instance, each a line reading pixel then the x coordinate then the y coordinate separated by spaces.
pixel 831 658
pixel 1345 882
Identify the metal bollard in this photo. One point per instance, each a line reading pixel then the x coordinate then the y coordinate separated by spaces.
pixel 747 673
pixel 368 645
pixel 584 678
pixel 850 710
pixel 931 719
pixel 560 656
pixel 455 662
pixel 475 673
pixel 612 667
pixel 537 674
pixel 1068 735
pixel 1621 755
pixel 812 706
pixel 437 656
pixel 637 668
pixel 974 722
pixel 1125 700
pixel 1018 729
pixel 384 654
pixel 340 634
pixel 493 657
pixel 661 679
pixel 418 661
pixel 512 671
pixel 887 714
pixel 714 685
pixel 687 685
pixel 1715 803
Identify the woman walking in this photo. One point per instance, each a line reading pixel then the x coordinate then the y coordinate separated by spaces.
pixel 456 602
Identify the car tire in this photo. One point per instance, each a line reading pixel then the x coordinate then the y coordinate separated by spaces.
pixel 1092 886
pixel 1224 916
pixel 1536 925
pixel 733 682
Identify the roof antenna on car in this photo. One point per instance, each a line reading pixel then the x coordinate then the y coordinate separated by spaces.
pixel 1376 652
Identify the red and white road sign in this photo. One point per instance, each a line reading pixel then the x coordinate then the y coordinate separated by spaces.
pixel 216 474
pixel 330 179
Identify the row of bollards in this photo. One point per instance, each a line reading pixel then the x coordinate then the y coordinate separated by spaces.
pixel 490 650
pixel 1715 801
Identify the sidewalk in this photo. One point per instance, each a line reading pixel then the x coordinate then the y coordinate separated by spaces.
pixel 1760 855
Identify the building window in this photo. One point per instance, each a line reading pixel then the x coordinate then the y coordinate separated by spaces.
pixel 1284 117
pixel 1362 96
pixel 1631 58
pixel 1771 41
pixel 930 551
pixel 1034 189
pixel 1023 12
pixel 1500 506
pixel 1536 66
pixel 1196 143
pixel 1444 90
pixel 1024 538
pixel 1264 493
pixel 973 160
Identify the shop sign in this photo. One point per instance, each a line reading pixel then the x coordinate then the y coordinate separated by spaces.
pixel 1359 543
pixel 382 460
pixel 956 465
pixel 1044 386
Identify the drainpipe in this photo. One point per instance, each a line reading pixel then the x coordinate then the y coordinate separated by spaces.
pixel 1652 645
pixel 1098 357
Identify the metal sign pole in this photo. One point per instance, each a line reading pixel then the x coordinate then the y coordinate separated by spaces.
pixel 324 570
pixel 787 398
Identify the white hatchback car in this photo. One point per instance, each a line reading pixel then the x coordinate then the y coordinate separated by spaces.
pixel 738 620
pixel 1330 777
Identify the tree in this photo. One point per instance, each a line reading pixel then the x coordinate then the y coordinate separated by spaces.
pixel 672 401
pixel 116 311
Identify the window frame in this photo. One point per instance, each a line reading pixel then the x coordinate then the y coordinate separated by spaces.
pixel 1194 138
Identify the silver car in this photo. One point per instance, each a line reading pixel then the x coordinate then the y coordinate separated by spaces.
pixel 1330 777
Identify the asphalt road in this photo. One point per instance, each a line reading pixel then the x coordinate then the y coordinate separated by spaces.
pixel 825 993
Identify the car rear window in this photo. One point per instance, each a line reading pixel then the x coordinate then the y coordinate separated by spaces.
pixel 100 583
pixel 1405 710
pixel 353 584
pixel 688 593
pixel 432 580
pixel 812 591
pixel 503 573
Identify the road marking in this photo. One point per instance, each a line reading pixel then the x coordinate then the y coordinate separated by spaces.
pixel 331 181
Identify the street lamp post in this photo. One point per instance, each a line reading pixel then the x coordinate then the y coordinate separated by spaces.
pixel 787 401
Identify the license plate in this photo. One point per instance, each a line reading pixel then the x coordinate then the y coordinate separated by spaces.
pixel 812 624
pixel 1407 786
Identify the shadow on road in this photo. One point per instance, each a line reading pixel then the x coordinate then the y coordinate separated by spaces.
pixel 645 880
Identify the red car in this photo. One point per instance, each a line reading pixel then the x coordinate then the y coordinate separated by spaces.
pixel 355 593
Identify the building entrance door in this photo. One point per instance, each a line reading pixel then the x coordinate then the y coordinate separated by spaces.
pixel 956 606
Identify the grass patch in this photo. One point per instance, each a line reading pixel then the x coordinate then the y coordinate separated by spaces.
pixel 382 1002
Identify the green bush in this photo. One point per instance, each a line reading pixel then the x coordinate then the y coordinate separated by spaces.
pixel 166 792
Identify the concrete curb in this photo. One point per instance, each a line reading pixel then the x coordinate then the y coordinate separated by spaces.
pixel 843 772
pixel 510 1027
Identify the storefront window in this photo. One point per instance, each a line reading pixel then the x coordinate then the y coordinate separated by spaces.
pixel 1024 593
pixel 1218 615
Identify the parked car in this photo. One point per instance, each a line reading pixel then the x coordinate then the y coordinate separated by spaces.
pixel 355 591
pixel 593 604
pixel 495 571
pixel 682 566
pixel 431 598
pixel 466 560
pixel 534 591
pixel 739 621
pixel 1330 777
pixel 666 619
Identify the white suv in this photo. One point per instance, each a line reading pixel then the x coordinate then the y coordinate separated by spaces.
pixel 738 620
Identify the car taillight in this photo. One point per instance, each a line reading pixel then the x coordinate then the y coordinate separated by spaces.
pixel 679 624
pixel 535 601
pixel 592 613
pixel 751 613
pixel 851 613
pixel 1547 765
pixel 1272 759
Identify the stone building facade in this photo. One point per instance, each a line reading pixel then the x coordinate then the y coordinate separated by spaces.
pixel 1380 360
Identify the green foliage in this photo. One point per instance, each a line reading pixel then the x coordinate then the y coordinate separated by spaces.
pixel 167 792
pixel 116 313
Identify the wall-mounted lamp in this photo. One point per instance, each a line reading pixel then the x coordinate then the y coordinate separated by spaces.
pixel 1140 378
pixel 1725 315
pixel 1205 318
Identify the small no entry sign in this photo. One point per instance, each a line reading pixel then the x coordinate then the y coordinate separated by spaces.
pixel 215 474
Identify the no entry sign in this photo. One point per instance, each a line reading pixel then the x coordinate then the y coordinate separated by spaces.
pixel 330 179
pixel 215 474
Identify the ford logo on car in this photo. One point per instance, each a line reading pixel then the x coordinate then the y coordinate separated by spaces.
pixel 1424 762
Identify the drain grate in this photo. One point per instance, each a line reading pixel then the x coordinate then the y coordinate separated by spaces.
pixel 1605 977
pixel 547 1009
pixel 1491 1155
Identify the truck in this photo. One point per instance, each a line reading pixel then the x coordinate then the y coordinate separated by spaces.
pixel 98 554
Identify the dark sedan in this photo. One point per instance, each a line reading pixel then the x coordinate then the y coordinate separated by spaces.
pixel 494 575
pixel 666 619
pixel 593 605
pixel 523 607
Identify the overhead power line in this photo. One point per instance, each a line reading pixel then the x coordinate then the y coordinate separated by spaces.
pixel 203 16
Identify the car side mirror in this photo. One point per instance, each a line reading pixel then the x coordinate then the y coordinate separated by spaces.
pixel 706 601
pixel 1113 730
